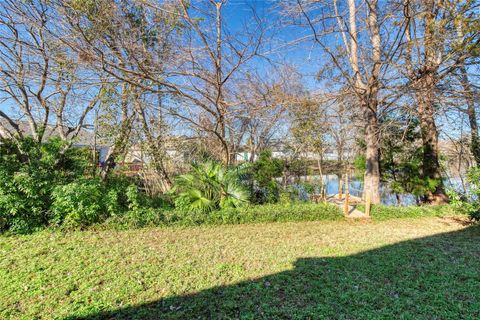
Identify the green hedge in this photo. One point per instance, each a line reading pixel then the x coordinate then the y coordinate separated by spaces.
pixel 297 211
pixel 247 214
pixel 382 212
pixel 272 213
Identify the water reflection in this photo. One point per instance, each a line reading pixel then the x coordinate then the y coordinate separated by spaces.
pixel 331 182
pixel 387 196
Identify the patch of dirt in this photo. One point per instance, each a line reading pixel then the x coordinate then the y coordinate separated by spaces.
pixel 463 221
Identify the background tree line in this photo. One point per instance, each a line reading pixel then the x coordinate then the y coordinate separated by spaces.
pixel 382 82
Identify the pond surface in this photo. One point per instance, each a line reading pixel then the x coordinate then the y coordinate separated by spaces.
pixel 355 188
pixel 387 196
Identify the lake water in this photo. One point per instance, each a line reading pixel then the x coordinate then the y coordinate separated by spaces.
pixel 355 188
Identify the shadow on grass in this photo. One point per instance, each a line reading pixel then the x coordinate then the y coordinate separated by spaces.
pixel 436 277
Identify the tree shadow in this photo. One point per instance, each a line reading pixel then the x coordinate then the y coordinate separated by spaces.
pixel 436 277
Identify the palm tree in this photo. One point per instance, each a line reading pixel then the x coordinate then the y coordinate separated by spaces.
pixel 210 186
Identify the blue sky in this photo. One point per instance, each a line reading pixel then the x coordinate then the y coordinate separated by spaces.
pixel 306 57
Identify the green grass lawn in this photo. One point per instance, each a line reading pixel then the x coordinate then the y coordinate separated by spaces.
pixel 426 268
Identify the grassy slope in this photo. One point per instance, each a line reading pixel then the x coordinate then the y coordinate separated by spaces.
pixel 426 268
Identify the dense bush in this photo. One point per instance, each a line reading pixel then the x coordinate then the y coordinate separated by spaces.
pixel 28 174
pixel 402 159
pixel 469 202
pixel 474 181
pixel 144 210
pixel 79 203
pixel 47 184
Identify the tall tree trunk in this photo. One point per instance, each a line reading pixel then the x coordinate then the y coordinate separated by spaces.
pixel 118 148
pixel 367 92
pixel 431 164
pixel 226 154
pixel 120 143
pixel 468 95
pixel 469 98
pixel 372 176
pixel 320 171
pixel 472 115
pixel 372 172
pixel 220 132
pixel 425 92
pixel 424 81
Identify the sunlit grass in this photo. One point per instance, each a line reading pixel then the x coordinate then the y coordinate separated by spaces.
pixel 59 275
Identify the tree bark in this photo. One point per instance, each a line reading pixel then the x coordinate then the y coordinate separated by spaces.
pixel 120 143
pixel 472 115
pixel 424 81
pixel 469 96
pixel 320 171
pixel 372 172
pixel 431 164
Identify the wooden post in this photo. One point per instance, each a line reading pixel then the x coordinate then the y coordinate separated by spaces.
pixel 368 200
pixel 340 187
pixel 345 208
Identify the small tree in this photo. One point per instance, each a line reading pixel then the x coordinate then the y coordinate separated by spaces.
pixel 265 170
pixel 402 157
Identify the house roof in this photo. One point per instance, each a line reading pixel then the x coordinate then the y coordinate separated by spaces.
pixel 85 137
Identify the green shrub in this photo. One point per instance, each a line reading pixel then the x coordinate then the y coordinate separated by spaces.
pixel 117 186
pixel 285 197
pixel 142 217
pixel 468 203
pixel 46 184
pixel 134 198
pixel 473 178
pixel 182 204
pixel 28 174
pixel 89 201
pixel 79 203
pixel 247 214
pixel 140 211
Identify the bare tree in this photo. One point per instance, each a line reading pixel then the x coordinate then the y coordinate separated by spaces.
pixel 310 128
pixel 265 101
pixel 213 58
pixel 429 59
pixel 345 126
pixel 132 44
pixel 198 72
pixel 43 82
pixel 357 61
pixel 463 22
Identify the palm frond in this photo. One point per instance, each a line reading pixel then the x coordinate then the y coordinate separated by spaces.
pixel 211 186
